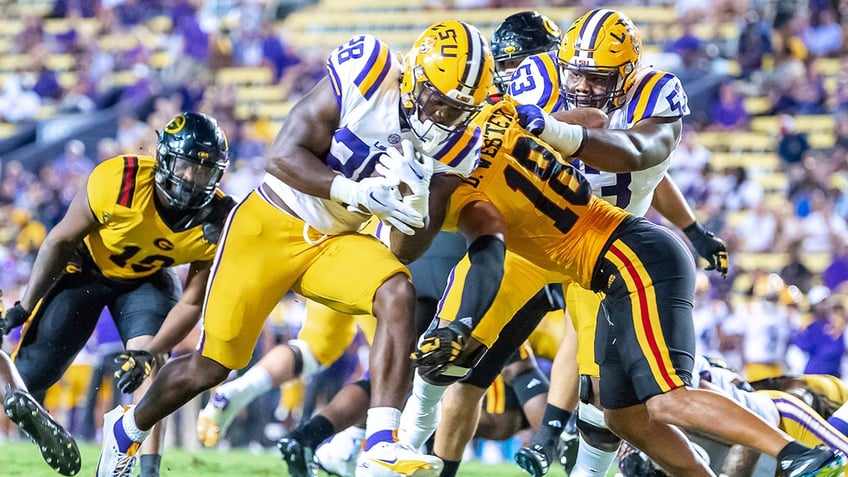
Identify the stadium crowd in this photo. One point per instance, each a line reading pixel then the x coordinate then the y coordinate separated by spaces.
pixel 785 221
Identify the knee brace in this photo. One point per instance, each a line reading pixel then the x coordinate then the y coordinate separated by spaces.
pixel 590 422
pixel 305 363
pixel 586 391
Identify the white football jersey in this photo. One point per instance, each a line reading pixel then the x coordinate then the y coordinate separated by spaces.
pixel 365 75
pixel 654 93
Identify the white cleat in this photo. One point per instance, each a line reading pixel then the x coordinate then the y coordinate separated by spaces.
pixel 393 459
pixel 118 454
pixel 338 455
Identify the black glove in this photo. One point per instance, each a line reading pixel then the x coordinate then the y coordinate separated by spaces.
pixel 440 346
pixel 14 317
pixel 134 367
pixel 708 246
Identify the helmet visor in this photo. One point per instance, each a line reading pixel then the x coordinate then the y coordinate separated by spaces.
pixel 202 175
pixel 187 183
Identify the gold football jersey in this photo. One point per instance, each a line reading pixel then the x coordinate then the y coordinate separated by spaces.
pixel 134 241
pixel 552 218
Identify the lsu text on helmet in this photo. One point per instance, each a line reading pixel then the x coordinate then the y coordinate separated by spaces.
pixel 519 36
pixel 599 58
pixel 446 78
pixel 191 156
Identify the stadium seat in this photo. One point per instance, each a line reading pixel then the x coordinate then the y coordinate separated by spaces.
pixel 257 75
pixel 770 262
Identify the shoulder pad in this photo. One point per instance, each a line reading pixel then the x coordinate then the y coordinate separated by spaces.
pixel 214 221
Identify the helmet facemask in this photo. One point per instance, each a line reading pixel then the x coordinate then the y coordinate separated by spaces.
pixel 433 115
pixel 593 87
pixel 186 182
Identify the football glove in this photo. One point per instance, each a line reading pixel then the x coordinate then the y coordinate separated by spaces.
pixel 13 318
pixel 566 138
pixel 413 169
pixel 133 367
pixel 712 248
pixel 378 196
pixel 531 118
pixel 440 346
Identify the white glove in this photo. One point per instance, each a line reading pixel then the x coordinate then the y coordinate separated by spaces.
pixel 413 169
pixel 380 197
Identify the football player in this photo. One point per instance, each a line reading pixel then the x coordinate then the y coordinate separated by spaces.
pixel 299 229
pixel 560 232
pixel 785 409
pixel 518 36
pixel 137 218
pixel 599 65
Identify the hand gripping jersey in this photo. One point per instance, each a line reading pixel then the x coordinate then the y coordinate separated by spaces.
pixel 552 218
pixel 366 79
pixel 654 93
pixel 134 241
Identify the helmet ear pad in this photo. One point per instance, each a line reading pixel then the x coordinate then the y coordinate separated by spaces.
pixel 192 154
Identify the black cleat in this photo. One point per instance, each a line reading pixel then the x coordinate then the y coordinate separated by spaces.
pixel 298 457
pixel 568 453
pixel 536 458
pixel 816 462
pixel 57 447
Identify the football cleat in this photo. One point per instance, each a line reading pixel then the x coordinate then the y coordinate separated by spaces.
pixel 393 459
pixel 816 462
pixel 536 458
pixel 118 455
pixel 337 455
pixel 568 451
pixel 298 458
pixel 57 447
pixel 215 418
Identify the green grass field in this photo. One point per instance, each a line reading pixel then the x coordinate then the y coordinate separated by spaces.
pixel 22 459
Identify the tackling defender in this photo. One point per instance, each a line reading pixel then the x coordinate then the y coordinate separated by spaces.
pixel 563 233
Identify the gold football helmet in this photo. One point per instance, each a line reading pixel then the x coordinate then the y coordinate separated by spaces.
pixel 599 57
pixel 446 77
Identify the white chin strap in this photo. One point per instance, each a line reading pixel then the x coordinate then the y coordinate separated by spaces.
pixel 429 137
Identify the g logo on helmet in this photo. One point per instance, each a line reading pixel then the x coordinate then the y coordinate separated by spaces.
pixel 551 27
pixel 176 125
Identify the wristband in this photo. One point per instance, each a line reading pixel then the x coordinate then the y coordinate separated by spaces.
pixel 566 138
pixel 343 190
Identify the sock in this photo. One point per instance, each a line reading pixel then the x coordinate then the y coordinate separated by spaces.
pixel 421 413
pixel 591 461
pixel 315 431
pixel 247 387
pixel 839 420
pixel 381 425
pixel 130 428
pixel 553 423
pixel 451 467
pixel 791 450
pixel 149 464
